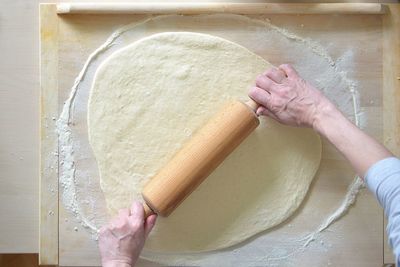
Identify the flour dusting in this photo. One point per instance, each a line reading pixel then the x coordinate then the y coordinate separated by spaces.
pixel 349 200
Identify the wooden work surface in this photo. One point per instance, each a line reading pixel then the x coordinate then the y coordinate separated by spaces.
pixel 357 238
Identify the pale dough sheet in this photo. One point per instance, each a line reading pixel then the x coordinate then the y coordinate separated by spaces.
pixel 149 98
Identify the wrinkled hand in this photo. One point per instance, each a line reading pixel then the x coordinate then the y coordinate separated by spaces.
pixel 284 96
pixel 122 240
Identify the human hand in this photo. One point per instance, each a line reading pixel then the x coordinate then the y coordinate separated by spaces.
pixel 122 240
pixel 284 96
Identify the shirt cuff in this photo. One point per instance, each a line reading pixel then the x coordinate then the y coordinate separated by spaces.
pixel 379 171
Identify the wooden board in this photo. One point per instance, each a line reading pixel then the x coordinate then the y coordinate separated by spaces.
pixel 361 231
pixel 19 109
pixel 48 228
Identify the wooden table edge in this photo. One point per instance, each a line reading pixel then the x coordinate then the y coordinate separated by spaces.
pixel 48 184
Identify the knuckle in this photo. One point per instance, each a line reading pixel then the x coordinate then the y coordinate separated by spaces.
pixel 302 82
pixel 288 69
pixel 284 92
pixel 276 103
pixel 285 65
pixel 280 103
pixel 125 221
pixel 125 211
pixel 274 109
pixel 270 71
pixel 272 102
pixel 253 92
pixel 113 227
pixel 298 83
pixel 259 79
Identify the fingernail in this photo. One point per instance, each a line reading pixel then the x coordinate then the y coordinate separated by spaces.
pixel 153 219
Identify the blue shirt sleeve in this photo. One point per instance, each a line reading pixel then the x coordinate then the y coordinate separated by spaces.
pixel 383 179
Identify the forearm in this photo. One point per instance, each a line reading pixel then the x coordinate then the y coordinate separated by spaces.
pixel 359 148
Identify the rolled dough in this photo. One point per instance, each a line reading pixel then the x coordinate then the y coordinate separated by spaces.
pixel 150 97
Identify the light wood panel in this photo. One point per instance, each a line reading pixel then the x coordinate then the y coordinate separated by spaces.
pixel 19 134
pixel 48 242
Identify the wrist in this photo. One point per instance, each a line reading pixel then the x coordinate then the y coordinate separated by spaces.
pixel 326 113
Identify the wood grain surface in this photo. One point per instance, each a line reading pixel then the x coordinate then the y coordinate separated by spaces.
pixel 358 237
pixel 19 117
pixel 48 212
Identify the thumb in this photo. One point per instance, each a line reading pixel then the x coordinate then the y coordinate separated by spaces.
pixel 137 213
pixel 149 224
pixel 260 111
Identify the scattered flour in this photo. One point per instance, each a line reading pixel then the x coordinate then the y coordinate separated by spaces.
pixel 349 200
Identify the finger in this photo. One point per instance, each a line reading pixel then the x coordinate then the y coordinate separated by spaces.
pixel 123 213
pixel 288 70
pixel 149 224
pixel 137 213
pixel 260 111
pixel 275 74
pixel 265 83
pixel 259 95
pixel 115 223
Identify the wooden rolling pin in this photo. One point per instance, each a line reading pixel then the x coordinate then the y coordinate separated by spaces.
pixel 189 8
pixel 201 155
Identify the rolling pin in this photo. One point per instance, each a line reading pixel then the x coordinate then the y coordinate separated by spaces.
pixel 199 157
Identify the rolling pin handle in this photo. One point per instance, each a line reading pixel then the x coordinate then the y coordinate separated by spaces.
pixel 147 210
